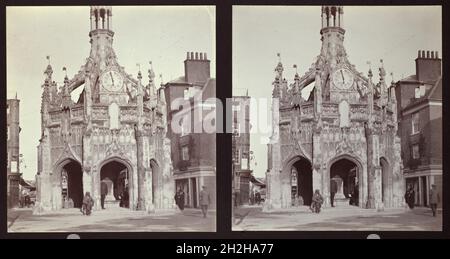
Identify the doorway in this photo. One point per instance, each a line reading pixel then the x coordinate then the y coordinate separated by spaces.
pixel 304 184
pixel 116 176
pixel 345 173
pixel 72 183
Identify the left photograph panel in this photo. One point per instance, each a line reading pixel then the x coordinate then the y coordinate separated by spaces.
pixel 102 118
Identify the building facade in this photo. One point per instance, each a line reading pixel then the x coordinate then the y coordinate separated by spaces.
pixel 115 132
pixel 191 105
pixel 419 102
pixel 13 154
pixel 345 130
pixel 241 149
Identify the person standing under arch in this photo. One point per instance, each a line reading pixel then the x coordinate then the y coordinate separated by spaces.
pixel 333 191
pixel 103 193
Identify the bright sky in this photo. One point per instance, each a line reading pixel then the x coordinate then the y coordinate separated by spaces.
pixel 162 35
pixel 393 34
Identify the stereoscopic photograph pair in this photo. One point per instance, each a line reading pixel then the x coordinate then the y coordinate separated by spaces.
pixel 334 126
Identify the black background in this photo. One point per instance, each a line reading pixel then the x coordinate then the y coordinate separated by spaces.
pixel 224 90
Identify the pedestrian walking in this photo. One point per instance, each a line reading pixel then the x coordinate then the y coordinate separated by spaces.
pixel 410 196
pixel 205 200
pixel 88 202
pixel 317 201
pixel 435 198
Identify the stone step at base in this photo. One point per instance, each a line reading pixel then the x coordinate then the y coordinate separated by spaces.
pixel 112 204
pixel 342 202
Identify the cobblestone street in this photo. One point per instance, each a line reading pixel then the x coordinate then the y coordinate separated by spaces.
pixel 114 220
pixel 251 218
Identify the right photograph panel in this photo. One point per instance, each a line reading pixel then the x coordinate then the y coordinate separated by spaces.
pixel 337 118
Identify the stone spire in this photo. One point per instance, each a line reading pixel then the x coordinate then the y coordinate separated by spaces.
pixel 161 96
pixel 66 100
pixel 296 90
pixel 151 81
pixel 279 69
pixel 279 84
pixel 48 82
pixel 45 98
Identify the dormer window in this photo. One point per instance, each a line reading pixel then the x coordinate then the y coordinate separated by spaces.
pixel 419 92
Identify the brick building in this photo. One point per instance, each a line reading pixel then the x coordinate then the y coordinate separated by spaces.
pixel 241 149
pixel 420 125
pixel 13 163
pixel 193 145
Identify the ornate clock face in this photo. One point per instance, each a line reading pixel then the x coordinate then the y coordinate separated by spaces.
pixel 343 78
pixel 112 80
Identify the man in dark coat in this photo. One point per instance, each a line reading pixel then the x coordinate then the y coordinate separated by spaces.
pixel 205 200
pixel 435 199
pixel 179 199
pixel 103 193
pixel 410 196
pixel 333 191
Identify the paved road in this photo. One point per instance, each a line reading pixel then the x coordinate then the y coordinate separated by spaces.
pixel 251 218
pixel 114 220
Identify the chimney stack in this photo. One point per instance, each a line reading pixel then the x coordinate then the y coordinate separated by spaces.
pixel 428 67
pixel 197 68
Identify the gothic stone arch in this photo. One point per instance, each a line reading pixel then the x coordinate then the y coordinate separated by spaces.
pixel 132 187
pixel 361 174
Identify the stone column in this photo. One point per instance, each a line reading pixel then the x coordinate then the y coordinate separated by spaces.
pixel 191 192
pixel 150 206
pixel 317 178
pixel 317 168
pixel 273 195
pixel 140 170
pixel 421 201
pixel 95 174
pixel 325 186
pixel 377 188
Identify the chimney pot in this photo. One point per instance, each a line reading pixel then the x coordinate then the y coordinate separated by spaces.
pixel 437 54
pixel 418 54
pixel 201 56
pixel 192 55
pixel 423 53
pixel 187 55
pixel 196 55
pixel 428 54
pixel 205 56
pixel 432 54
